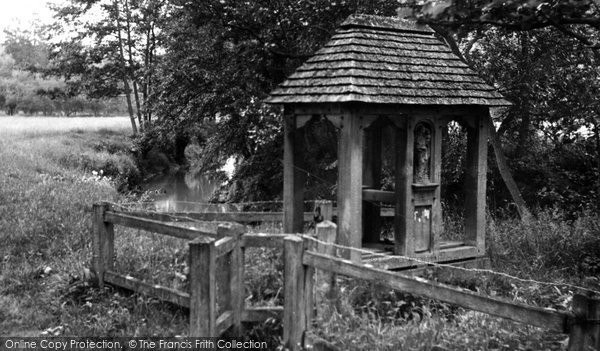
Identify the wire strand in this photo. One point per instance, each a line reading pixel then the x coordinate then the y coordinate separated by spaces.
pixel 436 264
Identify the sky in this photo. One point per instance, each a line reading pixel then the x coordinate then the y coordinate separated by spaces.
pixel 15 14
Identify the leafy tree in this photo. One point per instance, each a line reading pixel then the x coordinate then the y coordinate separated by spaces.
pixel 577 19
pixel 113 54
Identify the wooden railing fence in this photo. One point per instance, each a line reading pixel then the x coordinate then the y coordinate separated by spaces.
pixel 210 242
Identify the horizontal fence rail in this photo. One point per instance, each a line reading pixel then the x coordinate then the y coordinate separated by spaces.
pixel 539 317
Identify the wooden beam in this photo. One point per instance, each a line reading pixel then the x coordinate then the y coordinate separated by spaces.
pixel 261 314
pixel 263 240
pixel 242 217
pixel 156 226
pixel 585 333
pixel 293 175
pixel 349 191
pixel 160 292
pixel 536 316
pixel 372 180
pixel 233 281
pixel 475 182
pixel 325 281
pixel 224 322
pixel 203 289
pixel 403 221
pixel 294 321
pixel 103 243
pixel 388 197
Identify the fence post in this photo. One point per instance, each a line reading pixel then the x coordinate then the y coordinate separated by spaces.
pixel 203 287
pixel 294 319
pixel 236 276
pixel 323 210
pixel 585 332
pixel 326 233
pixel 104 243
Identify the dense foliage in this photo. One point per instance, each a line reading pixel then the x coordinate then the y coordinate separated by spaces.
pixel 204 68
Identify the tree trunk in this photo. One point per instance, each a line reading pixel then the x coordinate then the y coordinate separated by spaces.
pixel 506 174
pixel 131 65
pixel 124 69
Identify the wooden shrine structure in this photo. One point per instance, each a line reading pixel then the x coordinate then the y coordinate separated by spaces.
pixel 379 73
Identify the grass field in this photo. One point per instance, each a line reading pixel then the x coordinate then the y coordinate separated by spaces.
pixel 30 126
pixel 53 169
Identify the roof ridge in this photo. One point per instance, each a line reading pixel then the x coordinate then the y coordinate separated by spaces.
pixel 386 23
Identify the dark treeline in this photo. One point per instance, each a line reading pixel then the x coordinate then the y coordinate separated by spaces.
pixel 195 73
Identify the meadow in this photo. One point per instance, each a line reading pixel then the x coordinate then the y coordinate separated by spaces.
pixel 53 169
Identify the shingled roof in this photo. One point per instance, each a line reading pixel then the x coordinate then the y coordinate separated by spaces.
pixel 385 60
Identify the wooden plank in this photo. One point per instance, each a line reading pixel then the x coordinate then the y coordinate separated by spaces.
pixel 234 279
pixel 388 212
pixel 261 314
pixel 372 180
pixel 160 292
pixel 183 219
pixel 157 226
pixel 263 240
pixel 585 332
pixel 388 197
pixel 242 217
pixel 349 191
pixel 475 181
pixel 293 175
pixel 203 303
pixel 294 321
pixel 224 246
pixel 403 220
pixel 452 254
pixel 237 287
pixel 309 288
pixel 539 317
pixel 436 158
pixel 326 281
pixel 103 243
pixel 224 322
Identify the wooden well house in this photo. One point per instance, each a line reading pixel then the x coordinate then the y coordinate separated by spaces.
pixel 381 75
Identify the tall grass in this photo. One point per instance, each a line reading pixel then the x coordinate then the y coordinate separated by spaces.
pixel 44 215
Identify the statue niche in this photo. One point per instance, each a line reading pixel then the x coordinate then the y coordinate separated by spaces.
pixel 422 154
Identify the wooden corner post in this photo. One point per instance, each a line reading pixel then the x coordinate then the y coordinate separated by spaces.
pixel 326 234
pixel 372 180
pixel 236 273
pixel 475 180
pixel 203 288
pixel 349 192
pixel 293 174
pixel 585 331
pixel 294 318
pixel 104 243
pixel 403 219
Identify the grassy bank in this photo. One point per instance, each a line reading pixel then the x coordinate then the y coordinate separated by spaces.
pixel 53 170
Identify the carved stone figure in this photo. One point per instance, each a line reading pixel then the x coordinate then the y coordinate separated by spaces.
pixel 422 153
